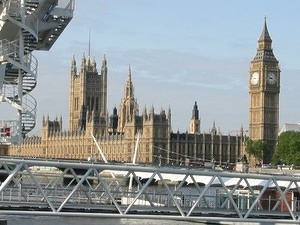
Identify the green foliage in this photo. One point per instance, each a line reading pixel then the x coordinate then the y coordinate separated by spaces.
pixel 288 149
pixel 256 148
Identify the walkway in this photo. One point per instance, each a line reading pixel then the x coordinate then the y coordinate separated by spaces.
pixel 69 188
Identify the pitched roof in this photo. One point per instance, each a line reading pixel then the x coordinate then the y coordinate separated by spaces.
pixel 290 127
pixel 265 36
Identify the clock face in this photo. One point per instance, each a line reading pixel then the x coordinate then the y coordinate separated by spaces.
pixel 271 78
pixel 255 78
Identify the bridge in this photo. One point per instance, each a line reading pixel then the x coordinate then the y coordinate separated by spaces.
pixel 90 189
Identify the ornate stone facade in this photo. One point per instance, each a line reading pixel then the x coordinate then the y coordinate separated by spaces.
pixel 264 88
pixel 118 134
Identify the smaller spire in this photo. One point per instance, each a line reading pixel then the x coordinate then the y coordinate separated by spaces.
pixel 88 63
pixel 94 64
pixel 83 60
pixel 104 62
pixel 104 65
pixel 129 73
pixel 152 109
pixel 213 129
pixel 115 111
pixel 145 111
pixel 73 66
pixel 129 89
pixel 195 112
pixel 265 36
pixel 264 50
pixel 73 61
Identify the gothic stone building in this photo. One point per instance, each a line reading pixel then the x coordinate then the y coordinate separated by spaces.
pixel 158 144
pixel 120 133
pixel 117 134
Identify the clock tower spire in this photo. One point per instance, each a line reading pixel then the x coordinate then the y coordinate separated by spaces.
pixel 264 88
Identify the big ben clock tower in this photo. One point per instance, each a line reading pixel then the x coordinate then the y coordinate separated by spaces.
pixel 264 88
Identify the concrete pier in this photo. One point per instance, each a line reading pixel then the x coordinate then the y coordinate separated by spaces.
pixel 3 222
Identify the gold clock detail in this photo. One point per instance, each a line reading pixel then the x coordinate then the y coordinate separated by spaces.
pixel 255 78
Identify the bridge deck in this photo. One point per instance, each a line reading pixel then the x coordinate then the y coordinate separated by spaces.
pixel 131 191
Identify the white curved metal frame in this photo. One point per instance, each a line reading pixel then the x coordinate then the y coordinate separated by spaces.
pixel 87 189
pixel 25 26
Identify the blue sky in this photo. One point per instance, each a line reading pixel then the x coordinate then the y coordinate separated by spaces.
pixel 179 52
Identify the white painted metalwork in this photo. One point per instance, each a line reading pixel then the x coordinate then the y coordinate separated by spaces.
pixel 37 187
pixel 25 26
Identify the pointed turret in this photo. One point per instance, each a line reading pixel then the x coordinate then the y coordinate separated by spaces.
pixel 113 124
pixel 129 72
pixel 104 65
pixel 129 90
pixel 145 114
pixel 264 51
pixel 265 36
pixel 195 121
pixel 214 129
pixel 83 61
pixel 82 66
pixel 104 62
pixel 195 113
pixel 73 67
pixel 60 122
pixel 94 65
pixel 88 62
pixel 129 107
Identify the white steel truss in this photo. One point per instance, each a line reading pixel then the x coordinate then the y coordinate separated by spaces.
pixel 34 187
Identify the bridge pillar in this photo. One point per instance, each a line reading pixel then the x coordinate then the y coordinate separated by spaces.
pixel 3 222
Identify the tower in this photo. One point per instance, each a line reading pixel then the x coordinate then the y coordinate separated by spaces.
pixel 195 121
pixel 128 106
pixel 88 96
pixel 264 88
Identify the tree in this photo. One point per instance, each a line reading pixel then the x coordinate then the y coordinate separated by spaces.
pixel 256 148
pixel 288 149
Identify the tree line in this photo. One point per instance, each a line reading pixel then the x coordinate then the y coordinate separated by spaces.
pixel 287 150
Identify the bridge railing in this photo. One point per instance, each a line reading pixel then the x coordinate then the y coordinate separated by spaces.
pixel 104 190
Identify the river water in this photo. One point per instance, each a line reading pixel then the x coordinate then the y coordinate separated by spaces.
pixel 53 220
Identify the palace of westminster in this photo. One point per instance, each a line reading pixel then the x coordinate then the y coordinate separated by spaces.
pixel 118 133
